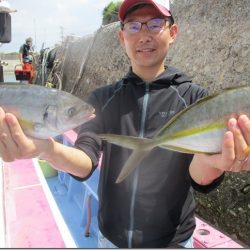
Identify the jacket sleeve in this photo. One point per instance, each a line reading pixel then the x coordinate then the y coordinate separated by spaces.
pixel 205 189
pixel 87 139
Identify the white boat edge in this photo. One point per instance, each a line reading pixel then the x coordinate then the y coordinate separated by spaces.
pixel 2 221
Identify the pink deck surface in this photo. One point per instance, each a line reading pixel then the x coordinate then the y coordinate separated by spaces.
pixel 29 220
pixel 205 236
pixel 71 136
pixel 19 173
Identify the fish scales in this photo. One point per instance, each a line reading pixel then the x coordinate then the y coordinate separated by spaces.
pixel 209 110
pixel 25 99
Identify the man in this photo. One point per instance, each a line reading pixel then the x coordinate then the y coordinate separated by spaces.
pixel 26 59
pixel 154 206
pixel 25 51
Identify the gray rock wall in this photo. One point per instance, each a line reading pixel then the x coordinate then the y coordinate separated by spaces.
pixel 106 61
pixel 214 41
pixel 213 47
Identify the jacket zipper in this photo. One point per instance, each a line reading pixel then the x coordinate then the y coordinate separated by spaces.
pixel 136 175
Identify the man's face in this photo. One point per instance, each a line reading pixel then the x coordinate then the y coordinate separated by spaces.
pixel 147 50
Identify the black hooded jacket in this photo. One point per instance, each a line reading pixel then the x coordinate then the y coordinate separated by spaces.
pixel 154 206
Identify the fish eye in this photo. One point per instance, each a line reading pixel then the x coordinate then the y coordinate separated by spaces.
pixel 71 111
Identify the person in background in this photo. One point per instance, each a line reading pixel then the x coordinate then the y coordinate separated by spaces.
pixel 154 206
pixel 26 52
pixel 26 55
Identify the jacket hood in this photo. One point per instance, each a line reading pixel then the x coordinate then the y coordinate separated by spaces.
pixel 170 76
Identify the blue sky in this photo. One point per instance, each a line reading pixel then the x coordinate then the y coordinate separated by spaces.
pixel 46 20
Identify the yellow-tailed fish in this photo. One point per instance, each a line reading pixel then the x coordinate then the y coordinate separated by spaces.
pixel 44 112
pixel 196 129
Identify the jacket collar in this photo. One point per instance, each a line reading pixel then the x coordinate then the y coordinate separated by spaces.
pixel 171 76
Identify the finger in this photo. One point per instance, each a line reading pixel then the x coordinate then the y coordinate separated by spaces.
pixel 2 149
pixel 10 150
pixel 8 146
pixel 239 141
pixel 2 122
pixel 5 153
pixel 246 166
pixel 2 114
pixel 3 139
pixel 6 136
pixel 241 165
pixel 15 129
pixel 15 138
pixel 244 124
pixel 232 164
pixel 26 147
pixel 228 151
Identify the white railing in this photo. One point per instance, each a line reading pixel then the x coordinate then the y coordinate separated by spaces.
pixel 2 214
pixel 63 228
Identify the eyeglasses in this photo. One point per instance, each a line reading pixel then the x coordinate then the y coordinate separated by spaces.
pixel 154 25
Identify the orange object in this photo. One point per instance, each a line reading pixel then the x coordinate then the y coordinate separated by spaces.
pixel 26 73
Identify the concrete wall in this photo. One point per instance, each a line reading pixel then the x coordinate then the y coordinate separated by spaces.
pixel 106 61
pixel 214 41
pixel 213 47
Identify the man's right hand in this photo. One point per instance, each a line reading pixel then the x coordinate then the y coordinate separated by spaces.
pixel 14 144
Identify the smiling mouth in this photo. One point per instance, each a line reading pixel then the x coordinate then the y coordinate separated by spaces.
pixel 145 50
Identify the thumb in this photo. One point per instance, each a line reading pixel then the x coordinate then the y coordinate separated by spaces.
pixel 15 128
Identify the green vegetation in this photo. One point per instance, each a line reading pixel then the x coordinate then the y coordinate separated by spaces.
pixel 110 12
pixel 8 56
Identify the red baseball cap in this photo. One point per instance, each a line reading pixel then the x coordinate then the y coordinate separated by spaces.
pixel 161 5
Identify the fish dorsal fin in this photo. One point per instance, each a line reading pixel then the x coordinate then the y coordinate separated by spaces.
pixel 198 102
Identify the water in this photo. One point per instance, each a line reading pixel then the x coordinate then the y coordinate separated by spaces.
pixel 9 77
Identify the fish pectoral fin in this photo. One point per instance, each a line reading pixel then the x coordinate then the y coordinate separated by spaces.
pixel 133 161
pixel 26 124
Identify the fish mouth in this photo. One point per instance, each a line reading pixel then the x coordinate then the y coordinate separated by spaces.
pixel 89 115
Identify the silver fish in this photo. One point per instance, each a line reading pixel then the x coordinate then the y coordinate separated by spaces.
pixel 196 129
pixel 44 112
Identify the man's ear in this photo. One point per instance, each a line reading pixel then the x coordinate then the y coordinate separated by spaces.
pixel 121 38
pixel 173 32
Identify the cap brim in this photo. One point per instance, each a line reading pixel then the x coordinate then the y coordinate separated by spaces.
pixel 4 9
pixel 127 4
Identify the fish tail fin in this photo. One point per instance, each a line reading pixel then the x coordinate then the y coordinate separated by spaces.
pixel 125 141
pixel 133 161
pixel 140 146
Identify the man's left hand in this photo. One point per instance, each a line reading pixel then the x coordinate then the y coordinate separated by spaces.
pixel 234 156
